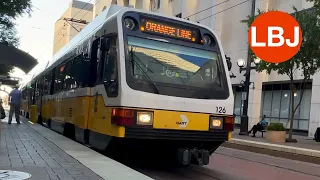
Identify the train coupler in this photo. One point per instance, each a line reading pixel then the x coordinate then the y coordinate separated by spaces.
pixel 200 157
pixel 184 156
pixel 194 156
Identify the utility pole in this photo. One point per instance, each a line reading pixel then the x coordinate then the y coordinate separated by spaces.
pixel 244 118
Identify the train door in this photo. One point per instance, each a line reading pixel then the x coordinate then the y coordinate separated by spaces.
pixel 30 97
pixel 105 78
pixel 24 102
pixel 105 86
pixel 38 96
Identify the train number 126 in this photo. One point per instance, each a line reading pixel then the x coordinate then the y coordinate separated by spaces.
pixel 221 109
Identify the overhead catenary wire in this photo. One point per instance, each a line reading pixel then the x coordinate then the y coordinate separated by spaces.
pixel 191 14
pixel 224 10
pixel 206 9
pixel 83 8
pixel 64 26
pixel 69 30
pixel 70 24
pixel 185 17
pixel 74 17
pixel 80 18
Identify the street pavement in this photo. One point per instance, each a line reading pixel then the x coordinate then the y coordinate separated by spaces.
pixel 231 164
pixel 25 150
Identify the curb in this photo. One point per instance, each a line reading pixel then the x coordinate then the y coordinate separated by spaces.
pixel 79 156
pixel 276 147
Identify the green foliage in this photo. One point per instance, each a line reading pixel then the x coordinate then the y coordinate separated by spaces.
pixel 276 127
pixel 9 11
pixel 316 5
pixel 8 36
pixel 307 59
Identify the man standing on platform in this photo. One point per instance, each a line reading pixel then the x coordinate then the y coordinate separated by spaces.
pixel 14 101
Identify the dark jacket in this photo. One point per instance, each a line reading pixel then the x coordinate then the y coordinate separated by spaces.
pixel 2 112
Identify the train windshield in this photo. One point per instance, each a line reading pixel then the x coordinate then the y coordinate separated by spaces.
pixel 169 69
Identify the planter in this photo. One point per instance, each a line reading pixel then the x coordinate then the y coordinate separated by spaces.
pixel 276 136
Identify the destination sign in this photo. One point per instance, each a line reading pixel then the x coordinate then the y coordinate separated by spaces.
pixel 161 28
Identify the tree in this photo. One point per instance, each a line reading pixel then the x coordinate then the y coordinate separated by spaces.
pixel 307 60
pixel 316 5
pixel 9 11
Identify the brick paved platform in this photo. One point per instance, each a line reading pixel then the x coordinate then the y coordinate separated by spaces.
pixel 47 155
pixel 24 149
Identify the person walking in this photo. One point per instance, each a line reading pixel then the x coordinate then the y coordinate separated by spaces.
pixel 14 101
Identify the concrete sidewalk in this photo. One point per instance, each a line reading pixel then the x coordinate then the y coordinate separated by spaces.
pixel 33 150
pixel 305 146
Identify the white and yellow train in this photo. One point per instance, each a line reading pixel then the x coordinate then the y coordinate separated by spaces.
pixel 138 78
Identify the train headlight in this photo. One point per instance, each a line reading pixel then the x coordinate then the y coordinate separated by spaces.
pixel 216 122
pixel 129 23
pixel 145 118
pixel 206 39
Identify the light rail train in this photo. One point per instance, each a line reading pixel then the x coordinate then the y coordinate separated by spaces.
pixel 133 78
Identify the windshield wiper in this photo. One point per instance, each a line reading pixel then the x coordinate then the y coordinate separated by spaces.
pixel 133 61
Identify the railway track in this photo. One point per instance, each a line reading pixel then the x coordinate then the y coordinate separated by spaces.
pixel 225 164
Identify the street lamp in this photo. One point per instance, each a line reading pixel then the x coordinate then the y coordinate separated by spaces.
pixel 256 61
pixel 241 63
pixel 246 66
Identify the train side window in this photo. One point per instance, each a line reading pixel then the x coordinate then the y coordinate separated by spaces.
pixel 68 80
pixel 24 94
pixel 105 44
pixel 93 62
pixel 29 95
pixel 80 71
pixel 110 76
pixel 33 88
pixel 101 62
pixel 39 86
pixel 47 83
pixel 51 82
pixel 59 78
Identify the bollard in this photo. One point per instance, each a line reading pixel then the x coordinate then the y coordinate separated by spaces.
pixel 229 136
pixel 33 113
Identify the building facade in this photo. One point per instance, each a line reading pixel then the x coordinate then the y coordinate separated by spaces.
pixel 72 21
pixel 269 94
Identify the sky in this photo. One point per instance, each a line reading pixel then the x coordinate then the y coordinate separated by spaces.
pixel 36 32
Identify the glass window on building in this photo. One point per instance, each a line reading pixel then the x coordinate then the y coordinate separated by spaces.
pixel 238 103
pixel 154 5
pixel 275 104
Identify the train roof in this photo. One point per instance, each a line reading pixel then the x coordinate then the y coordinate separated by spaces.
pixel 87 32
pixel 92 28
